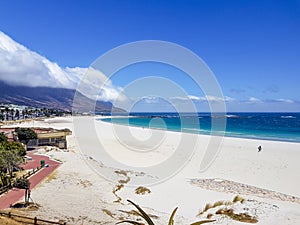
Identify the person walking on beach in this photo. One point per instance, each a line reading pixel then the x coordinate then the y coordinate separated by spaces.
pixel 259 148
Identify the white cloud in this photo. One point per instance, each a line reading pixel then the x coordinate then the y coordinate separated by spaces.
pixel 110 93
pixel 209 98
pixel 195 98
pixel 151 99
pixel 96 85
pixel 179 98
pixel 21 66
pixel 283 100
pixel 254 100
pixel 229 99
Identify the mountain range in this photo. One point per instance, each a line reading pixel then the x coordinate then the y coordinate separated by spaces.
pixel 49 97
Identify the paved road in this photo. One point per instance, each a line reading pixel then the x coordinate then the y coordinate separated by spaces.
pixel 15 194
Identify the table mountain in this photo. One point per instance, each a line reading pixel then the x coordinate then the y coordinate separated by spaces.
pixel 56 98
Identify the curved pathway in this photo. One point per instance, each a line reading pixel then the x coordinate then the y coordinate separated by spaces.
pixel 15 194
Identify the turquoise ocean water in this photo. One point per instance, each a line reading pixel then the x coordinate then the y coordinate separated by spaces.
pixel 266 126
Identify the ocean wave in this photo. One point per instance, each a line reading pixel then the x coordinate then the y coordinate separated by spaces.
pixel 288 117
pixel 193 129
pixel 237 116
pixel 232 116
pixel 227 116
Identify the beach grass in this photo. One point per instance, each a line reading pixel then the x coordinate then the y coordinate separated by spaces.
pixel 241 217
pixel 238 198
pixel 209 206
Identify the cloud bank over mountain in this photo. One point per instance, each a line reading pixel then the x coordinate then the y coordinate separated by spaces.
pixel 21 66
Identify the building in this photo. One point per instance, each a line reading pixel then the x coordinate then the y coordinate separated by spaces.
pixel 49 136
pixel 45 136
pixel 10 134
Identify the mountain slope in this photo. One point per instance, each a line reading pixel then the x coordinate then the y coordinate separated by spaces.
pixel 57 98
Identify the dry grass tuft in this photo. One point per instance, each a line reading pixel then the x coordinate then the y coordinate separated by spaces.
pixel 207 207
pixel 209 216
pixel 242 217
pixel 220 203
pixel 121 172
pixel 109 213
pixel 238 199
pixel 211 206
pixel 23 207
pixel 142 191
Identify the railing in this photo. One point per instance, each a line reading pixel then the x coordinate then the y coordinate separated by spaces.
pixel 34 220
pixel 4 189
pixel 31 172
pixel 28 174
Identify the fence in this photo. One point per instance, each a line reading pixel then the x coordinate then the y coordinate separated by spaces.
pixel 4 189
pixel 31 220
pixel 31 172
pixel 28 174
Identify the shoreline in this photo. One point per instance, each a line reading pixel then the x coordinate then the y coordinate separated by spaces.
pixel 239 147
pixel 92 198
pixel 200 134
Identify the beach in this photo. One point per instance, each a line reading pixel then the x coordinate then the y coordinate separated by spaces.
pixel 80 191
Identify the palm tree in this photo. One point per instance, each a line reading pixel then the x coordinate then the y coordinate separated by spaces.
pixel 2 114
pixel 17 115
pixel 25 113
pixel 37 112
pixel 12 113
pixel 30 112
pixel 6 112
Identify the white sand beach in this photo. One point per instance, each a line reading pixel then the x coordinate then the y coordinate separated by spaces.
pixel 269 180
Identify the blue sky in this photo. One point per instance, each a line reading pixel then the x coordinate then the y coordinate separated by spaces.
pixel 252 47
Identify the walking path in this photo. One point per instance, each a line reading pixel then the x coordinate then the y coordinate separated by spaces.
pixel 15 194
